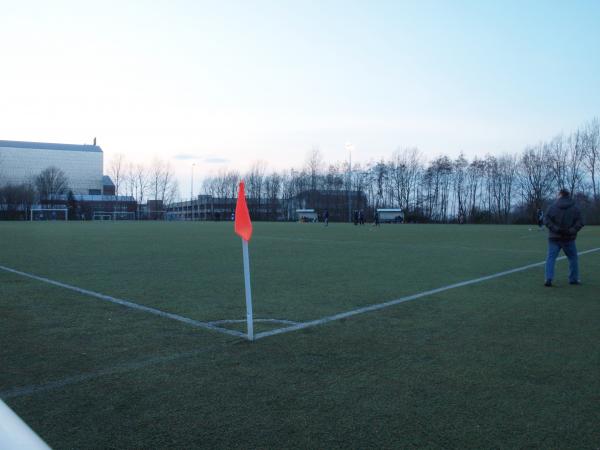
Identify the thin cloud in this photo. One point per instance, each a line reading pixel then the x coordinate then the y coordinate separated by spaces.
pixel 215 160
pixel 185 156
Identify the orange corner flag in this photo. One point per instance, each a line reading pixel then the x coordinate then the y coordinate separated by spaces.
pixel 243 225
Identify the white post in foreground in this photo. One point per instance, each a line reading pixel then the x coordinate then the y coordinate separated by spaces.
pixel 248 290
pixel 14 433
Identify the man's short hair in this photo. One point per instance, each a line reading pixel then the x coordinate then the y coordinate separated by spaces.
pixel 564 192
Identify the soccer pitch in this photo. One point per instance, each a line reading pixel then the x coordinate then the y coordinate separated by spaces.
pixel 494 362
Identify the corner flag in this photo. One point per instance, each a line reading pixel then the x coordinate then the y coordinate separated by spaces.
pixel 243 225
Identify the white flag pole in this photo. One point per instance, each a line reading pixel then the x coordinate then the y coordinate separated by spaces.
pixel 248 291
pixel 14 433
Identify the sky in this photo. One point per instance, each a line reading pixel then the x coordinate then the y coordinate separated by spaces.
pixel 223 84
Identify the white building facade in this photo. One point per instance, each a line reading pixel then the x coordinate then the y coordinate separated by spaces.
pixel 21 162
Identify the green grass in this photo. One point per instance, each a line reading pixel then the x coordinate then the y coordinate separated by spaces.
pixel 504 363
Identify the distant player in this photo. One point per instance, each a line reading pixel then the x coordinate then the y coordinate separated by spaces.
pixel 326 217
pixel 376 219
pixel 361 217
pixel 540 219
pixel 356 217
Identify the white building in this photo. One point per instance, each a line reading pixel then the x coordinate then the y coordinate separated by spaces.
pixel 307 215
pixel 395 215
pixel 21 162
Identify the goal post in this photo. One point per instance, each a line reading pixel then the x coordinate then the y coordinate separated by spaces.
pixel 123 215
pixel 114 215
pixel 49 214
pixel 102 216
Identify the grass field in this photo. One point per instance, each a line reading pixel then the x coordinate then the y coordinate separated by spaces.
pixel 501 363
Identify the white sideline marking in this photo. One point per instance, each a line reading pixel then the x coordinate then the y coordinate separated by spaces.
pixel 21 391
pixel 58 384
pixel 296 326
pixel 128 304
pixel 378 306
pixel 219 322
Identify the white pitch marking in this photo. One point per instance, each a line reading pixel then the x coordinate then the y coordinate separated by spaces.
pixel 128 304
pixel 378 306
pixel 219 322
pixel 21 391
pixel 297 326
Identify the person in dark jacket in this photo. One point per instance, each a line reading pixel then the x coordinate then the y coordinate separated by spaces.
pixel 540 218
pixel 563 220
pixel 376 219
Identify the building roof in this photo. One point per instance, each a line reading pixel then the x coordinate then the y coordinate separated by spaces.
pixel 106 181
pixel 49 146
pixel 92 198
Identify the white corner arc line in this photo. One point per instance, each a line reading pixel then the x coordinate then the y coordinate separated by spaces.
pixel 255 320
pixel 127 303
pixel 408 298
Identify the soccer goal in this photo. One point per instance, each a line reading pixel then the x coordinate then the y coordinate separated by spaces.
pixel 123 215
pixel 115 215
pixel 49 214
pixel 102 216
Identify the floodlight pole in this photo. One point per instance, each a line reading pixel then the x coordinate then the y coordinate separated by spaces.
pixel 349 184
pixel 248 290
pixel 192 194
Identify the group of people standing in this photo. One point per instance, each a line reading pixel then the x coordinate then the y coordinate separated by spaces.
pixel 359 217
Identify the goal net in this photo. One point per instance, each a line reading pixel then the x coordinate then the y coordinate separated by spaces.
pixel 49 214
pixel 122 215
pixel 102 216
pixel 116 215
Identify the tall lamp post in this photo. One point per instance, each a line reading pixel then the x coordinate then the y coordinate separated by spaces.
pixel 192 193
pixel 349 148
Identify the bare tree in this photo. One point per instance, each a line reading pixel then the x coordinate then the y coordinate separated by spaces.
pixel 535 176
pixel 51 181
pixel 501 179
pixel 314 163
pixel 592 154
pixel 556 155
pixel 575 156
pixel 116 170
pixel 140 177
pixel 273 185
pixel 169 188
pixel 159 178
pixel 405 169
pixel 16 200
pixel 130 180
pixel 1 170
pixel 255 184
pixel 460 186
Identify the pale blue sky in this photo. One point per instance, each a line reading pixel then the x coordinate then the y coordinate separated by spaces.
pixel 230 82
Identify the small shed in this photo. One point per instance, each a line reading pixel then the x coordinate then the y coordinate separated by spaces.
pixel 307 215
pixel 391 215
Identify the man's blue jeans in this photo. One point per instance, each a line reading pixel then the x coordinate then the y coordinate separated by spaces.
pixel 570 250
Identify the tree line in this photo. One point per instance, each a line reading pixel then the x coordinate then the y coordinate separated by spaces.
pixel 507 188
pixel 17 199
pixel 155 181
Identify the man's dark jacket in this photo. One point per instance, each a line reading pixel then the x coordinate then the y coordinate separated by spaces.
pixel 563 219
